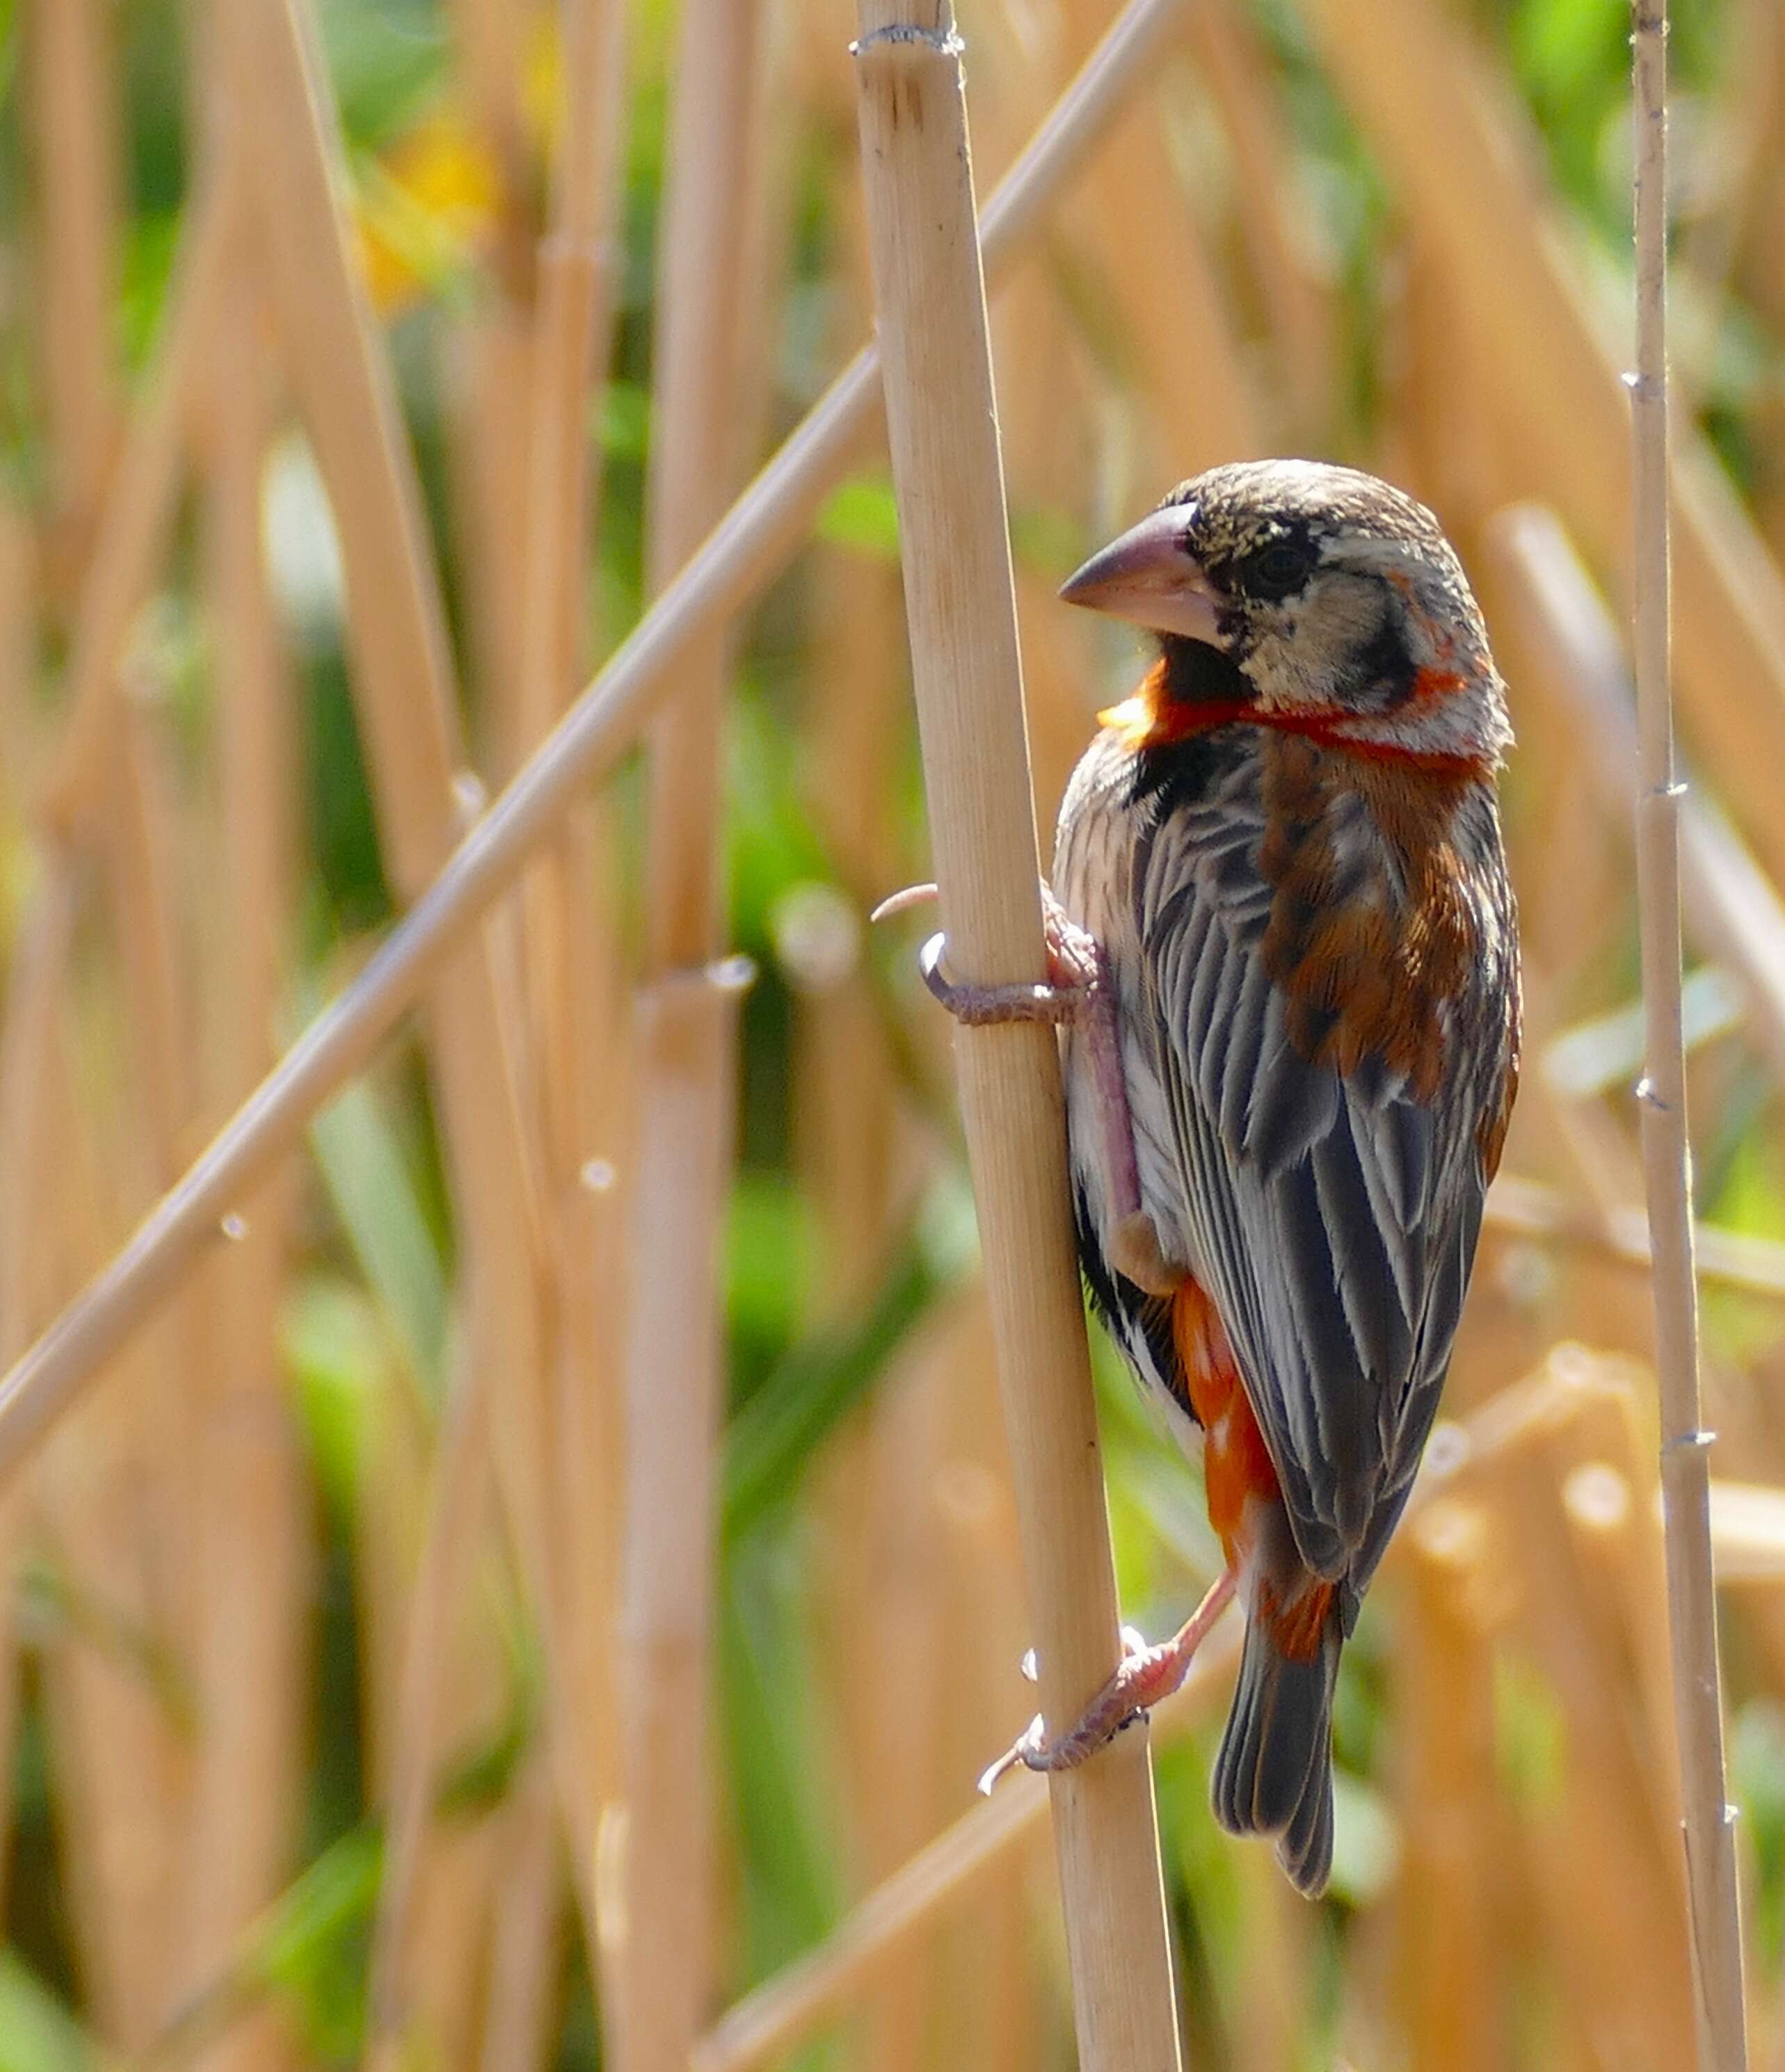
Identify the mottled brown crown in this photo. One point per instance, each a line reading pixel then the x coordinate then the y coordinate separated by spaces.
pixel 1232 512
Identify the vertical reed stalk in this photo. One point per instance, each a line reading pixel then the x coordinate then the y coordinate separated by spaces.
pixel 575 980
pixel 138 512
pixel 746 549
pixel 73 101
pixel 250 1529
pixel 962 616
pixel 1522 335
pixel 674 1381
pixel 1667 1155
pixel 407 706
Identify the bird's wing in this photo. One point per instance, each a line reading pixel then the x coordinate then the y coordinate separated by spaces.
pixel 1332 1216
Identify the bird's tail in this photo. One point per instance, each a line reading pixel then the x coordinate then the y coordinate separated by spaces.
pixel 1274 1773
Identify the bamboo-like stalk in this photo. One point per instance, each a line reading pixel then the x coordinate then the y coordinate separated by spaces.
pixel 1735 1258
pixel 421 1728
pixel 746 548
pixel 36 977
pixel 249 1531
pixel 526 1944
pixel 1269 200
pixel 489 363
pixel 1444 1723
pixel 1729 904
pixel 688 1066
pixel 581 1040
pixel 73 101
pixel 1685 1456
pixel 1523 339
pixel 138 512
pixel 406 702
pixel 120 1767
pixel 961 610
pixel 771 2022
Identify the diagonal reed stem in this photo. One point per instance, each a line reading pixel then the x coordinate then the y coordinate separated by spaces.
pixel 1685 1446
pixel 743 551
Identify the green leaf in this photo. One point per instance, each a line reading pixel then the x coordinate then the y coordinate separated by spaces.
pixel 772 1440
pixel 862 514
pixel 337 1351
pixel 791 1893
pixel 37 2032
pixel 375 1197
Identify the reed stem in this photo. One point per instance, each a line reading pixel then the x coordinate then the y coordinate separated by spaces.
pixel 1667 1155
pixel 960 608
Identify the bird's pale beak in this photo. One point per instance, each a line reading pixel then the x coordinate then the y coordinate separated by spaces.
pixel 1147 577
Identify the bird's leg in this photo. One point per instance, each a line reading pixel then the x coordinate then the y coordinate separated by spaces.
pixel 1146 1676
pixel 1077 992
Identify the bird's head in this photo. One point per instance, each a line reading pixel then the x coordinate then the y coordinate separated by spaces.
pixel 1309 595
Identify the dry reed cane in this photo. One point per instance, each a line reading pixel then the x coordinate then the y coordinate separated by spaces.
pixel 675 1360
pixel 770 2023
pixel 1686 1459
pixel 406 704
pixel 1523 336
pixel 1574 652
pixel 1162 279
pixel 72 95
pixel 252 1528
pixel 581 1069
pixel 775 2017
pixel 744 551
pixel 962 611
pixel 138 512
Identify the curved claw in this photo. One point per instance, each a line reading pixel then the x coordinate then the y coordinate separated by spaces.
pixel 980 1005
pixel 901 902
pixel 1021 1753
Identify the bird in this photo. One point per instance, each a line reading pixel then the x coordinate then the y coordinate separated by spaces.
pixel 1283 959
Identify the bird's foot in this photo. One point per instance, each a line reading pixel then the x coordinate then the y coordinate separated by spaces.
pixel 1074 970
pixel 1147 1676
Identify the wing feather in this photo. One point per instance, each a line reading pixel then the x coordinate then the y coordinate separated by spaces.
pixel 1332 1217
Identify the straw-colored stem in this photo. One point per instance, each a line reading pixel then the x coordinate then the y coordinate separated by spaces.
pixel 72 98
pixel 744 550
pixel 1574 649
pixel 1134 227
pixel 406 702
pixel 962 611
pixel 572 958
pixel 525 1943
pixel 1445 1720
pixel 675 1388
pixel 138 512
pixel 1685 1456
pixel 771 2022
pixel 1736 1258
pixel 36 976
pixel 120 1760
pixel 250 1527
pixel 457 1497
pixel 1268 198
pixel 1522 338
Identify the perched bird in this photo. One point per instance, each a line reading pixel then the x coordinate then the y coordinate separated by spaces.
pixel 1286 963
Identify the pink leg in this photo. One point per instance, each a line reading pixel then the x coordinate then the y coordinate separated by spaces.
pixel 1077 992
pixel 1144 1678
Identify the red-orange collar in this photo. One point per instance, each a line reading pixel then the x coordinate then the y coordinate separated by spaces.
pixel 1140 721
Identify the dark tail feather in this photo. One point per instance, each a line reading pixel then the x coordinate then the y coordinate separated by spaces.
pixel 1274 1773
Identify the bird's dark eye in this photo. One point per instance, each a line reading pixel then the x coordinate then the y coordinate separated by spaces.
pixel 1279 571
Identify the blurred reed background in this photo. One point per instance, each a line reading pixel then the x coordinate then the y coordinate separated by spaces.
pixel 541 1590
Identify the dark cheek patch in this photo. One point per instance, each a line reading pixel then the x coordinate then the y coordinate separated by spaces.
pixel 1382 676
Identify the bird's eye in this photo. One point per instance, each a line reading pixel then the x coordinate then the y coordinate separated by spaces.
pixel 1279 571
